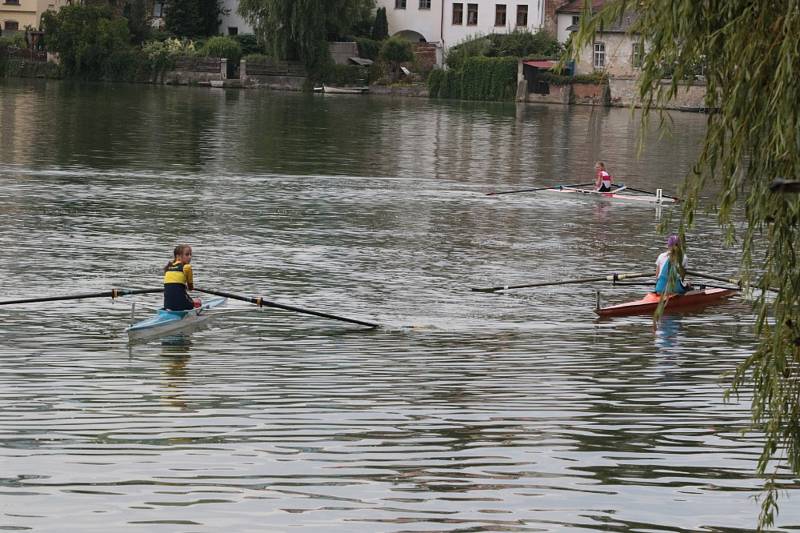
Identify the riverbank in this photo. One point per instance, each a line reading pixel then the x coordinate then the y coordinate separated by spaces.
pixel 285 76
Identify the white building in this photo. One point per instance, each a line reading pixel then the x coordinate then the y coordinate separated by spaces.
pixel 231 22
pixel 449 22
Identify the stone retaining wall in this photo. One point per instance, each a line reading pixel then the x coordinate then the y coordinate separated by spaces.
pixel 279 75
pixel 690 97
pixel 197 71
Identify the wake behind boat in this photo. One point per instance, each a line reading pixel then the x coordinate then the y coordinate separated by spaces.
pixel 167 322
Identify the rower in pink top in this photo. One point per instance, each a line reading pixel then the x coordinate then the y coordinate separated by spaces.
pixel 602 179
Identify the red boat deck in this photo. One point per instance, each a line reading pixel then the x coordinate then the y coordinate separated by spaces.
pixel 649 303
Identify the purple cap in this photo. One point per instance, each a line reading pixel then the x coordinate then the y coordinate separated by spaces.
pixel 673 240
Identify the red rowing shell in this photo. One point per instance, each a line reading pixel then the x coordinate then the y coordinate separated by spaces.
pixel 649 303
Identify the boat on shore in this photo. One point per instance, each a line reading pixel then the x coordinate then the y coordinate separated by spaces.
pixel 621 193
pixel 648 304
pixel 167 322
pixel 342 90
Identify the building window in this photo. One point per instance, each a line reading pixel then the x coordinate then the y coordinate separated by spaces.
pixel 399 4
pixel 11 2
pixel 233 30
pixel 636 55
pixel 11 25
pixel 424 4
pixel 599 55
pixel 472 14
pixel 576 20
pixel 522 15
pixel 458 14
pixel 500 15
pixel 158 9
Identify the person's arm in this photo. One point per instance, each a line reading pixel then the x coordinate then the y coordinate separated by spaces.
pixel 187 271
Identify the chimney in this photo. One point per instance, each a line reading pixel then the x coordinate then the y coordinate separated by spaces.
pixel 550 20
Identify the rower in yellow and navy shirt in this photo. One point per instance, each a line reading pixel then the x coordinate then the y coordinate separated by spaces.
pixel 178 280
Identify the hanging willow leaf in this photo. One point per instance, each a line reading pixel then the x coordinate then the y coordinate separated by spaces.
pixel 749 51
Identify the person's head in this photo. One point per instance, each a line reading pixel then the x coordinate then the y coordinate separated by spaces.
pixel 673 240
pixel 599 166
pixel 183 253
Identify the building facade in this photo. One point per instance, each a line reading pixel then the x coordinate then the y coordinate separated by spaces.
pixel 231 22
pixel 16 15
pixel 450 22
pixel 613 50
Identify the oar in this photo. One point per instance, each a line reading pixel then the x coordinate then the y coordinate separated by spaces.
pixel 113 293
pixel 734 281
pixel 261 302
pixel 538 189
pixel 610 277
pixel 651 192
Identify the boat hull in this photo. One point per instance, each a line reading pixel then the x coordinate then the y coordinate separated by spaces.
pixel 170 322
pixel 635 198
pixel 344 90
pixel 649 303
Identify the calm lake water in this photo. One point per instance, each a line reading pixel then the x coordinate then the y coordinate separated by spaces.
pixel 465 412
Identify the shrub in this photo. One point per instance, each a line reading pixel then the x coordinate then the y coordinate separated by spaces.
pixel 489 78
pixel 249 44
pixel 396 50
pixel 14 41
pixel 221 46
pixel 257 58
pixel 368 48
pixel 521 43
pixel 514 44
pixel 444 83
pixel 346 75
pixel 458 54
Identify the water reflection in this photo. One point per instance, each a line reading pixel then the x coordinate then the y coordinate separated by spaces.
pixel 667 331
pixel 175 354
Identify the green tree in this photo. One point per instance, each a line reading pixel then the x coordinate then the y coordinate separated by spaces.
pixel 751 57
pixel 380 30
pixel 192 18
pixel 300 29
pixel 138 21
pixel 395 51
pixel 85 37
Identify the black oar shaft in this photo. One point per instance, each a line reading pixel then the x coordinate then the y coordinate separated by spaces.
pixel 538 189
pixel 715 278
pixel 735 281
pixel 610 277
pixel 113 293
pixel 262 302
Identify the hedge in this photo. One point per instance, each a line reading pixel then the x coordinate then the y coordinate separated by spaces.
pixel 482 78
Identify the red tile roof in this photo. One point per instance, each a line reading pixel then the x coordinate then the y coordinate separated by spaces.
pixel 576 6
